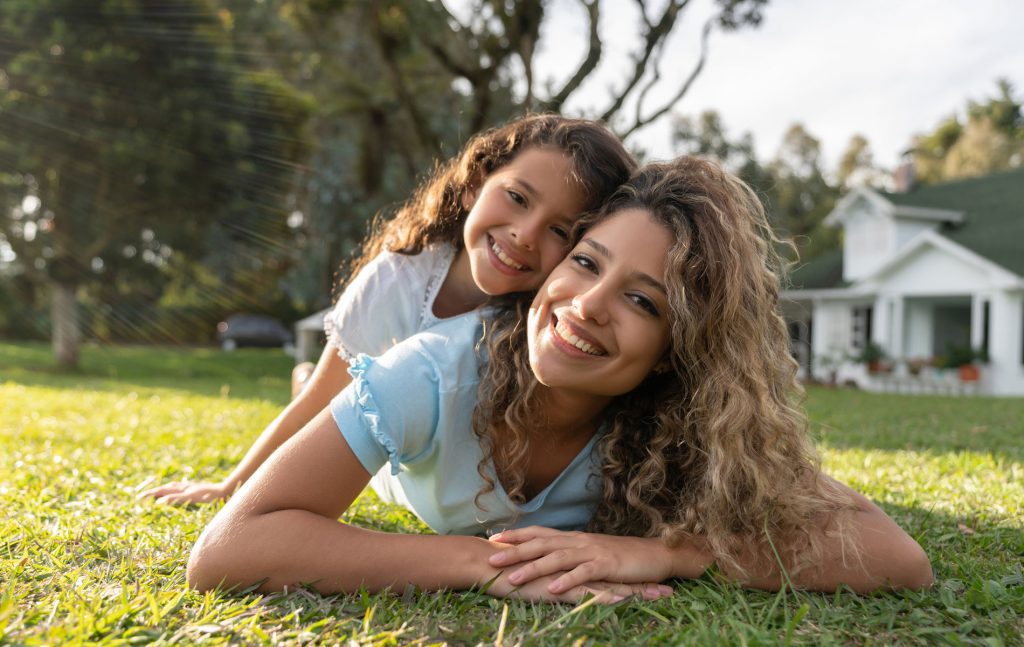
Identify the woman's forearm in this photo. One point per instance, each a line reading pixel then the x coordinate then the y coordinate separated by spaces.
pixel 289 547
pixel 282 527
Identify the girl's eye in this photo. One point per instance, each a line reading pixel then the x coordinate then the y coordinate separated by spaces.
pixel 645 304
pixel 517 197
pixel 561 232
pixel 585 262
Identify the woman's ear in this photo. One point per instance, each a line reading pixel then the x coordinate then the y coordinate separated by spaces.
pixel 664 365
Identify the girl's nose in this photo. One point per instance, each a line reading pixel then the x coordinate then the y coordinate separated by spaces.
pixel 526 232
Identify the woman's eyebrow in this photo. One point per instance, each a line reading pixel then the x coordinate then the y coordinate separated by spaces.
pixel 641 276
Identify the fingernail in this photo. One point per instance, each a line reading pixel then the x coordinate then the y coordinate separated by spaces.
pixel 665 590
pixel 495 537
pixel 496 558
pixel 618 598
pixel 515 577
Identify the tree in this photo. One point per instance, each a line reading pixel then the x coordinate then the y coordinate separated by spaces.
pixel 403 83
pixel 792 185
pixel 990 138
pixel 801 196
pixel 133 134
pixel 857 166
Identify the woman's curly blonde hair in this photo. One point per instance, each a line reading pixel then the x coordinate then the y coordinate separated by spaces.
pixel 715 450
pixel 598 164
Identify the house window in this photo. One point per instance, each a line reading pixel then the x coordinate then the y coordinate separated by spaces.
pixel 860 333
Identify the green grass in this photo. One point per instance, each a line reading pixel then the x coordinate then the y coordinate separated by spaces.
pixel 81 560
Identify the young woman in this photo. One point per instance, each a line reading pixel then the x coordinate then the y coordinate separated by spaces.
pixel 648 395
pixel 493 220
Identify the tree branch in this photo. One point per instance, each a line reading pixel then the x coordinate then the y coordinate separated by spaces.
pixel 643 121
pixel 594 50
pixel 651 39
pixel 428 139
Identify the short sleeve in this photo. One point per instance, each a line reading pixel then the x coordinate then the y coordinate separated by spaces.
pixel 376 310
pixel 389 413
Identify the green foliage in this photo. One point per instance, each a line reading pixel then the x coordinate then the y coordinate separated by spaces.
pixel 792 185
pixel 82 561
pixel 988 138
pixel 141 134
pixel 871 353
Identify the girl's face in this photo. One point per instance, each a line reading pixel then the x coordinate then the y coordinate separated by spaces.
pixel 519 221
pixel 600 323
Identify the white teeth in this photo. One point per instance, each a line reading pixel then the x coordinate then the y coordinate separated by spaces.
pixel 566 334
pixel 504 258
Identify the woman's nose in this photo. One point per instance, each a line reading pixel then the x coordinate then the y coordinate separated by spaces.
pixel 592 304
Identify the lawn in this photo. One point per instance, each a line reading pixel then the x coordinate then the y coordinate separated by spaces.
pixel 82 560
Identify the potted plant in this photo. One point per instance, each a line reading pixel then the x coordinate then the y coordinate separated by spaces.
pixel 966 360
pixel 874 357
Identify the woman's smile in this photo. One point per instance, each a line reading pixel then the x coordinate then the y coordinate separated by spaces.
pixel 573 339
pixel 599 324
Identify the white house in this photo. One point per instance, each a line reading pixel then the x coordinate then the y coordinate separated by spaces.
pixel 921 274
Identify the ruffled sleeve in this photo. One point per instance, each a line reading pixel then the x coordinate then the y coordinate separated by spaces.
pixel 389 413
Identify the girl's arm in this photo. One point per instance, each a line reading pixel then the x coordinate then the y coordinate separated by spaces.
pixel 329 378
pixel 281 529
pixel 889 558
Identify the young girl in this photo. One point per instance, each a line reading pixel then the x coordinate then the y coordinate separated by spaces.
pixel 492 221
pixel 648 393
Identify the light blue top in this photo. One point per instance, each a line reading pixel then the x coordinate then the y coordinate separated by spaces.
pixel 412 407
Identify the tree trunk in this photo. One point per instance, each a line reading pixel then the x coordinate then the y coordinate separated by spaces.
pixel 66 335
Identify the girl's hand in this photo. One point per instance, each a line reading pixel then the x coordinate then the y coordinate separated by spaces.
pixel 569 560
pixel 185 492
pixel 539 590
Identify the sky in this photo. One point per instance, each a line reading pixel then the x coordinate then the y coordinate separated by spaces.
pixel 887 69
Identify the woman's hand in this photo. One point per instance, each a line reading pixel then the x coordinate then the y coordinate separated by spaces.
pixel 185 492
pixel 568 560
pixel 539 590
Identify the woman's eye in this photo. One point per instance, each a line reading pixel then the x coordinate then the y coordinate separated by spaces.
pixel 585 262
pixel 645 303
pixel 517 197
pixel 561 232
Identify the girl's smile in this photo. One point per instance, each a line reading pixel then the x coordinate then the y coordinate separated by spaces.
pixel 519 221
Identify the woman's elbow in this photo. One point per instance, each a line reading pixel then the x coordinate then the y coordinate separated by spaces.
pixel 913 568
pixel 209 563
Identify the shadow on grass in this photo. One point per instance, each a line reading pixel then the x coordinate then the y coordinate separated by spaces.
pixel 246 373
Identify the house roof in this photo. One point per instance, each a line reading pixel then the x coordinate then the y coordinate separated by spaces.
pixel 825 271
pixel 993 207
pixel 992 225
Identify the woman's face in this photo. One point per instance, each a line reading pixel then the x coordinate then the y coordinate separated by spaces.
pixel 600 323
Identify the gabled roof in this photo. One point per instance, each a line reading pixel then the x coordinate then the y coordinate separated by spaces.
pixel 824 271
pixel 993 207
pixel 990 211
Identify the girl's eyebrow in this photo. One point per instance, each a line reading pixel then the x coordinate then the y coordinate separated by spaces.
pixel 641 276
pixel 526 185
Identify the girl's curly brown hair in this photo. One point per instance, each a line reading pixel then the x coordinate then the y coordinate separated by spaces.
pixel 598 161
pixel 715 450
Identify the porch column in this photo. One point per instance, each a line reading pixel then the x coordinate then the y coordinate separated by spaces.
pixel 880 323
pixel 897 333
pixel 977 320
